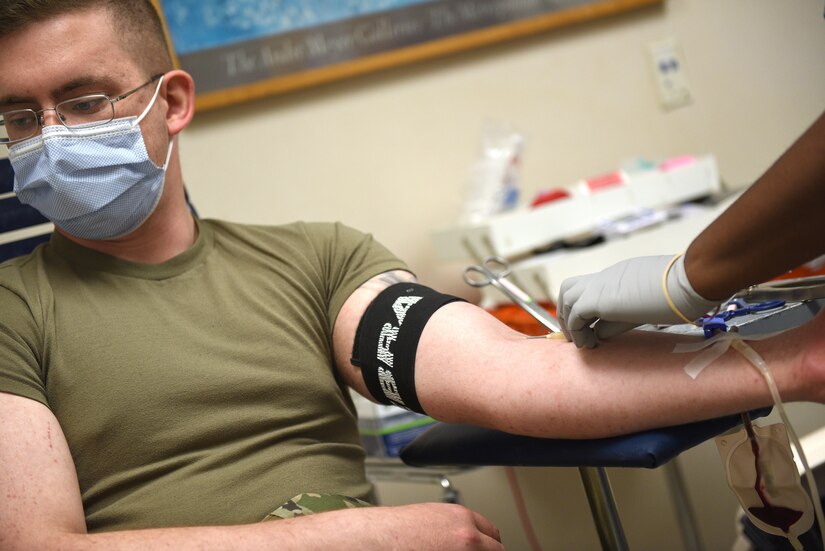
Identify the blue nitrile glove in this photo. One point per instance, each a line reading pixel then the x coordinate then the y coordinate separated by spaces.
pixel 624 296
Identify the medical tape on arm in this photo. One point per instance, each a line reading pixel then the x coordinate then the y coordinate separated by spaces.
pixel 387 338
pixel 716 346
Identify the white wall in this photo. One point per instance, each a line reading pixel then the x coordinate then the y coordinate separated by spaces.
pixel 388 153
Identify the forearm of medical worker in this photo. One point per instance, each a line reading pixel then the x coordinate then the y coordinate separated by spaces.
pixel 776 225
pixel 472 369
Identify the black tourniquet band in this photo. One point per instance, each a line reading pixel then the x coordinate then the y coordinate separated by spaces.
pixel 387 340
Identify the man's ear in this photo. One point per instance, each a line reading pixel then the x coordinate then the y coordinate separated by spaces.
pixel 180 100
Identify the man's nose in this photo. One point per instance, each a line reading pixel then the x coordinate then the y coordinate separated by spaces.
pixel 49 117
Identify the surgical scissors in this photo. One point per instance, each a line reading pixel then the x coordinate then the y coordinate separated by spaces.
pixel 494 270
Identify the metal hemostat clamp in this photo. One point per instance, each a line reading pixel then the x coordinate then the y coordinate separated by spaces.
pixel 494 270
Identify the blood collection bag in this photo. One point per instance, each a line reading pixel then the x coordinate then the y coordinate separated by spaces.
pixel 762 473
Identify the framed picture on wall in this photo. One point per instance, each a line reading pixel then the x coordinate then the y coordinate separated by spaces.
pixel 238 50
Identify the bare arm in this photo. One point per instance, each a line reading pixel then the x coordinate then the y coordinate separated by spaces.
pixel 41 508
pixel 343 335
pixel 470 368
pixel 775 226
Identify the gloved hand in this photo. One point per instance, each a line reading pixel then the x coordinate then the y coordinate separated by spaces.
pixel 624 296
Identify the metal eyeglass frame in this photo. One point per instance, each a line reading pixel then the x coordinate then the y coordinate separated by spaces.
pixel 38 115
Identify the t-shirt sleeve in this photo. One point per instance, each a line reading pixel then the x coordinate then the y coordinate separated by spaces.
pixel 351 258
pixel 20 370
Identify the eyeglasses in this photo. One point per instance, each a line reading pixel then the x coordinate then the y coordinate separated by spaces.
pixel 85 111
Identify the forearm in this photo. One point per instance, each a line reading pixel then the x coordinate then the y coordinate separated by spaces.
pixel 256 536
pixel 449 528
pixel 497 378
pixel 775 226
pixel 322 531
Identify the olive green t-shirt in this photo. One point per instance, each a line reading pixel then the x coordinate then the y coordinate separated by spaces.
pixel 199 391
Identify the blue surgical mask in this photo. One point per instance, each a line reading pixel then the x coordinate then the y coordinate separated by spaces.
pixel 94 182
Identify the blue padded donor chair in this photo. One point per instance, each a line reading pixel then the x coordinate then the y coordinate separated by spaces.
pixel 22 228
pixel 447 445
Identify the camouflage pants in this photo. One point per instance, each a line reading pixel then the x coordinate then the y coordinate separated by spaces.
pixel 307 504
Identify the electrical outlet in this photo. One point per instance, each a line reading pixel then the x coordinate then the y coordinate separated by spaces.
pixel 670 73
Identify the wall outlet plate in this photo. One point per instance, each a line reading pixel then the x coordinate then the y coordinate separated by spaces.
pixel 670 73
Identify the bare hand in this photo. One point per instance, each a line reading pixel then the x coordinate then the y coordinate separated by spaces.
pixel 418 527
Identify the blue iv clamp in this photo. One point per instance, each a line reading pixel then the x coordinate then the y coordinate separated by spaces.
pixel 733 309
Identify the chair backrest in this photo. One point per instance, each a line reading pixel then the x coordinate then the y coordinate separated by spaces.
pixel 22 228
